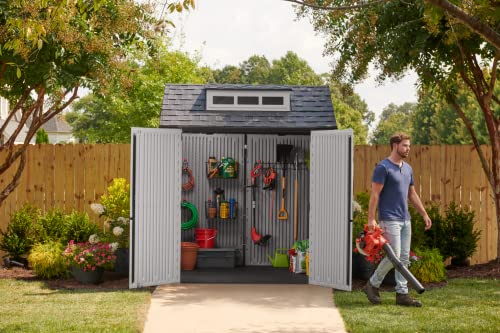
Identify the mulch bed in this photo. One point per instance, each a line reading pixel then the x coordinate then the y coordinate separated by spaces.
pixel 113 280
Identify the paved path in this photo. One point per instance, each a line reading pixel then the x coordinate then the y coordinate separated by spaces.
pixel 243 308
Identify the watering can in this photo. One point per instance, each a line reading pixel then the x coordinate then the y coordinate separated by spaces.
pixel 280 258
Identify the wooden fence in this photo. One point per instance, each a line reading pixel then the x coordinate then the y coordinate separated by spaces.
pixel 71 177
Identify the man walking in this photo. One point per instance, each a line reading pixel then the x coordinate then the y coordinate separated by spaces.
pixel 392 186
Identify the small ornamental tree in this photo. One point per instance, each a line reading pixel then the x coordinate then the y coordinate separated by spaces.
pixel 50 49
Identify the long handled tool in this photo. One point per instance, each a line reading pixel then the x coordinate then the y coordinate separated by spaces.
pixel 296 198
pixel 283 152
pixel 257 238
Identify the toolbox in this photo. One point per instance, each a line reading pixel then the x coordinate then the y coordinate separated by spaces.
pixel 216 258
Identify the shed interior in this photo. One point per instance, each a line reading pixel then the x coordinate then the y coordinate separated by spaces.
pixel 235 258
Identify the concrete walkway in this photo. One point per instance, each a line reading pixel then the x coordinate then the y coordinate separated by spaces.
pixel 243 308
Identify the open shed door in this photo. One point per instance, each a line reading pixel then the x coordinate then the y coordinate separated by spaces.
pixel 331 169
pixel 155 207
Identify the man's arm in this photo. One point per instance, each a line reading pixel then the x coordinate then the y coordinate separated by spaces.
pixel 372 207
pixel 415 200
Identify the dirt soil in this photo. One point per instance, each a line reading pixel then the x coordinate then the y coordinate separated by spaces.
pixel 112 280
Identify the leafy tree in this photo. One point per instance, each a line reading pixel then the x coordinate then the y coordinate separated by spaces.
pixel 292 70
pixel 41 136
pixel 255 70
pixel 393 119
pixel 108 118
pixel 397 35
pixel 52 48
pixel 229 74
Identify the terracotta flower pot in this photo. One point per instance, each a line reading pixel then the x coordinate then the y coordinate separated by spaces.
pixel 189 253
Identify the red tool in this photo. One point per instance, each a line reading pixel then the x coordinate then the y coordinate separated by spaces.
pixel 371 243
pixel 257 238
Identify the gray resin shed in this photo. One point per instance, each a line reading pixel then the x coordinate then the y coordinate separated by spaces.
pixel 249 124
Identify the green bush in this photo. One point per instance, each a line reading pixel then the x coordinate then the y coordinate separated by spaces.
pixel 41 136
pixel 117 201
pixel 19 237
pixel 430 266
pixel 78 228
pixel 461 238
pixel 47 260
pixel 432 238
pixel 51 226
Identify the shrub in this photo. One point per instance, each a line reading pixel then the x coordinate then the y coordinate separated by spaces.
pixel 51 226
pixel 47 260
pixel 41 136
pixel 430 266
pixel 461 238
pixel 78 227
pixel 89 256
pixel 19 237
pixel 432 238
pixel 117 201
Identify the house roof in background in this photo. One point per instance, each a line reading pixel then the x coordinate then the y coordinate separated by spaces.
pixel 57 124
pixel 184 106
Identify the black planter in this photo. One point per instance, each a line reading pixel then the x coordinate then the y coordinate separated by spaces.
pixel 87 277
pixel 122 261
pixel 361 268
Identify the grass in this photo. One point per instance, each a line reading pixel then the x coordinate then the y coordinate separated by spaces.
pixel 31 307
pixel 464 305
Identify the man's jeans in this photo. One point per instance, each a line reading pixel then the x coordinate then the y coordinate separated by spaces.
pixel 398 233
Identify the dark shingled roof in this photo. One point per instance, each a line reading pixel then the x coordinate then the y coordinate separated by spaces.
pixel 184 107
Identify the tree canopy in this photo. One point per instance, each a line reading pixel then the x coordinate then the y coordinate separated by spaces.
pixel 50 49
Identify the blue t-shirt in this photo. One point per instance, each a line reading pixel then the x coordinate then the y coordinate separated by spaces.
pixel 393 200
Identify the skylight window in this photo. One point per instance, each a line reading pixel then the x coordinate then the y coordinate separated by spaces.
pixel 248 100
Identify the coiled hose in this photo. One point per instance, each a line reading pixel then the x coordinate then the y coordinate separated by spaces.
pixel 194 216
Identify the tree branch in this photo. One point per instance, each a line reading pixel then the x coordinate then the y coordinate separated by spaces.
pixel 339 8
pixel 15 179
pixel 472 22
pixel 493 78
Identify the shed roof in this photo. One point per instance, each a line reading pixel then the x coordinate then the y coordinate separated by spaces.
pixel 184 106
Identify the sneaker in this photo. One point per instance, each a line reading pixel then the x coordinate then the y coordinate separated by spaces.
pixel 372 293
pixel 406 300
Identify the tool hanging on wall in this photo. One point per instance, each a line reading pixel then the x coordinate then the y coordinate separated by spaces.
pixel 257 238
pixel 283 154
pixel 298 156
pixel 187 186
pixel 270 184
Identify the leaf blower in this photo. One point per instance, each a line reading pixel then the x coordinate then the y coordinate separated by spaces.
pixel 371 243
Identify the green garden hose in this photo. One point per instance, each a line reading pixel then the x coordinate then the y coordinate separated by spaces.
pixel 194 216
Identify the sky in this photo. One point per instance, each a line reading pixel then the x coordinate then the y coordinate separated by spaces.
pixel 227 32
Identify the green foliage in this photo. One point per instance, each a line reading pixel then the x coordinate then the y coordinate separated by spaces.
pixel 79 228
pixel 41 136
pixel 430 266
pixel 461 237
pixel 117 201
pixel 19 237
pixel 47 260
pixel 393 119
pixel 51 226
pixel 360 217
pixel 136 102
pixel 435 237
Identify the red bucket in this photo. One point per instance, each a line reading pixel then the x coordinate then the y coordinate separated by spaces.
pixel 205 238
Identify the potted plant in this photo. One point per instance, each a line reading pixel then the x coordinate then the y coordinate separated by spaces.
pixel 87 261
pixel 115 207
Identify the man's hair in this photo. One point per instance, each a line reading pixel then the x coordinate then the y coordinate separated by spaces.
pixel 398 137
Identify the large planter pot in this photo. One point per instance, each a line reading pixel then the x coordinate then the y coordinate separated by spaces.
pixel 87 277
pixel 122 261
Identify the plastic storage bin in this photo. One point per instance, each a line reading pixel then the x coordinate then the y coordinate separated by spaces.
pixel 215 258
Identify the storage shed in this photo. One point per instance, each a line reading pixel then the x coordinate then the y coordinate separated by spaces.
pixel 290 130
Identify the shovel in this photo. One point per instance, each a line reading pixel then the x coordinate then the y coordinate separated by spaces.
pixel 283 154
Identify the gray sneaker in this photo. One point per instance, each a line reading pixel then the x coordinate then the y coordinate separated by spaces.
pixel 372 293
pixel 406 300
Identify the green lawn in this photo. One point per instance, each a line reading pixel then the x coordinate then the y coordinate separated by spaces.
pixel 464 305
pixel 32 307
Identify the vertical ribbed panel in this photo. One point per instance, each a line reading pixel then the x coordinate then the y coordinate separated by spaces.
pixel 197 148
pixel 268 203
pixel 155 209
pixel 331 213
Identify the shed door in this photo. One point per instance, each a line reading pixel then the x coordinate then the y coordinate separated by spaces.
pixel 155 211
pixel 330 208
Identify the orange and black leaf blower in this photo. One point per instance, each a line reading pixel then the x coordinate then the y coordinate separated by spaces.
pixel 371 243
